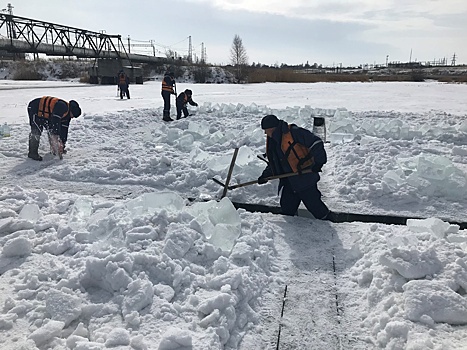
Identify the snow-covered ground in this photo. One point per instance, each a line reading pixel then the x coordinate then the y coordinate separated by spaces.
pixel 104 249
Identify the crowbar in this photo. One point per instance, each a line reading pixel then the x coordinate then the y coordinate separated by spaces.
pixel 229 175
pixel 281 176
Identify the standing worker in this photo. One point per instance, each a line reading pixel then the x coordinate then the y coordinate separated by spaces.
pixel 54 115
pixel 291 149
pixel 123 82
pixel 181 102
pixel 168 86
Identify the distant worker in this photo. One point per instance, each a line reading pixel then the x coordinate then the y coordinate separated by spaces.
pixel 123 82
pixel 292 149
pixel 181 102
pixel 54 115
pixel 168 89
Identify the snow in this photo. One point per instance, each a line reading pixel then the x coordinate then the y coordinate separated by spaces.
pixel 123 245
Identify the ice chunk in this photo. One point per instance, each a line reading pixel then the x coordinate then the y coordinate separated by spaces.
pixel 200 129
pixel 153 201
pixel 339 138
pixel 138 295
pixel 435 226
pixel 219 221
pixel 459 151
pixel 198 155
pixel 391 129
pixel 412 264
pixel 402 241
pixel 30 212
pixel 455 238
pixel 253 108
pixel 218 164
pixel 61 306
pixel 365 140
pixel 216 138
pixel 5 130
pixel 175 338
pixel 341 126
pixel 436 300
pixel 205 107
pixel 50 330
pixel 186 141
pixel 393 179
pixel 340 130
pixel 245 156
pixel 172 136
pixel 257 136
pixel 341 113
pixel 80 213
pixel 18 246
pixel 463 127
pixel 408 165
pixel 118 337
pixel 434 168
pixel 227 108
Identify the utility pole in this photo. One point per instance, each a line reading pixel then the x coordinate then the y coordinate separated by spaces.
pixel 387 57
pixel 453 61
pixel 10 29
pixel 190 50
pixel 128 44
pixel 202 52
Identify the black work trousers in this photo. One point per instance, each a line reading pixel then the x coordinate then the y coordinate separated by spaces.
pixel 166 96
pixel 311 198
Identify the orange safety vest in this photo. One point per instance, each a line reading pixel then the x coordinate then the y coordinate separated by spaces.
pixel 166 87
pixel 46 106
pixel 298 156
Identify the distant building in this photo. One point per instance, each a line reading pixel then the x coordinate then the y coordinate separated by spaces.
pixel 405 65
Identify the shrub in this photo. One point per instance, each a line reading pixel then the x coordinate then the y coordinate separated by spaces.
pixel 84 78
pixel 26 71
pixel 201 73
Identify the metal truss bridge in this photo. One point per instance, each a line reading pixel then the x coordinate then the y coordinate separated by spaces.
pixel 25 35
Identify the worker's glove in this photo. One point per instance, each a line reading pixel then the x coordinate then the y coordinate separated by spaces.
pixel 316 168
pixel 196 105
pixel 262 180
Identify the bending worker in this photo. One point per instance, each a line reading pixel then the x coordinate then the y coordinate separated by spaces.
pixel 181 102
pixel 54 115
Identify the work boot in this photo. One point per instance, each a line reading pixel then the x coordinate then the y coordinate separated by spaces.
pixel 34 147
pixel 166 117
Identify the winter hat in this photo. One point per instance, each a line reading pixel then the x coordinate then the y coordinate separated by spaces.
pixel 188 92
pixel 269 121
pixel 74 108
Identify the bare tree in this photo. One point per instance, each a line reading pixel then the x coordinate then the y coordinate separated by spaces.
pixel 238 56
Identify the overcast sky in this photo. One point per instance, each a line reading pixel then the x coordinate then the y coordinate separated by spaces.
pixel 327 32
